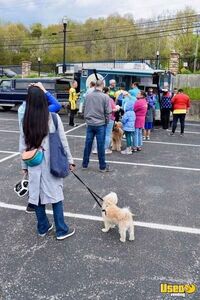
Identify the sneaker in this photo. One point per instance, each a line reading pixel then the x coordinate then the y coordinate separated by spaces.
pixel 126 151
pixel 108 151
pixel 172 134
pixel 144 138
pixel 148 138
pixel 107 169
pixel 49 229
pixel 70 233
pixel 94 151
pixel 139 149
pixel 182 134
pixel 30 209
pixel 134 149
pixel 84 168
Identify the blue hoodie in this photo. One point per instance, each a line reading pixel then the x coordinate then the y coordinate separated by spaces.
pixel 128 119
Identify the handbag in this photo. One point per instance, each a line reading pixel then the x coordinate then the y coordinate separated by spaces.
pixel 21 188
pixel 59 165
pixel 33 157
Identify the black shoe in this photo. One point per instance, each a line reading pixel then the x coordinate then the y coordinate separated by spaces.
pixel 182 134
pixel 107 169
pixel 30 209
pixel 70 233
pixel 172 133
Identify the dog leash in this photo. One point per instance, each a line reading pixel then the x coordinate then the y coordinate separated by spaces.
pixel 94 195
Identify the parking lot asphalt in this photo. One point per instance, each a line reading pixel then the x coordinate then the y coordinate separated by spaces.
pixel 161 186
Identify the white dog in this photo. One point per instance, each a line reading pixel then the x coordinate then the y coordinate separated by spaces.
pixel 114 215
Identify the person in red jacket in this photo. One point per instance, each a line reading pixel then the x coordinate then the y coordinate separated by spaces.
pixel 180 105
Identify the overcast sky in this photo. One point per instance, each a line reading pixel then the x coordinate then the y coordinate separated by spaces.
pixel 52 11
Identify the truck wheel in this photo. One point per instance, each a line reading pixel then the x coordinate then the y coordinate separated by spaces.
pixel 7 108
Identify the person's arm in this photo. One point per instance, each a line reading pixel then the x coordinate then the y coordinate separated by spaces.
pixel 188 103
pixel 136 107
pixel 107 109
pixel 22 148
pixel 173 99
pixel 124 119
pixel 64 141
pixel 53 104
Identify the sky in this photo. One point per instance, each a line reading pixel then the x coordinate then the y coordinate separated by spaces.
pixel 52 11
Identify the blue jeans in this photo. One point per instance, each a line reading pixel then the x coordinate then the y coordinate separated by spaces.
pixel 109 128
pixel 99 132
pixel 138 137
pixel 43 222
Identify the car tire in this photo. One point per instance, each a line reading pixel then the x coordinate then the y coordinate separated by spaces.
pixel 7 108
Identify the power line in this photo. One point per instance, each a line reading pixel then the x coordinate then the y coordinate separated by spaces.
pixel 172 27
pixel 120 38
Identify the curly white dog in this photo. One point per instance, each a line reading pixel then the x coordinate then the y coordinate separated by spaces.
pixel 114 215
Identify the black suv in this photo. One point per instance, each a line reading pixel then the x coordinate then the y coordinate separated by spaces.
pixel 14 91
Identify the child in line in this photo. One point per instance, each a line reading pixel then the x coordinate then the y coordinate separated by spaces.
pixel 140 109
pixel 128 122
pixel 151 101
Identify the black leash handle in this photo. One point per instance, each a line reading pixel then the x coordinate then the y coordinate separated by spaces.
pixel 94 195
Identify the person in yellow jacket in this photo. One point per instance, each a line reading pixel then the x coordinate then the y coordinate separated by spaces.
pixel 73 97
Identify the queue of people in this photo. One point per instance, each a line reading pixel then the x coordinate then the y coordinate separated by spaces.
pixel 103 106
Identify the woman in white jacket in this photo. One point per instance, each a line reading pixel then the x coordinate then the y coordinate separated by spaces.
pixel 44 188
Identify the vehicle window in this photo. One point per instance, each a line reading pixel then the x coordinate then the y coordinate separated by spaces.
pixel 5 84
pixel 23 85
pixel 62 86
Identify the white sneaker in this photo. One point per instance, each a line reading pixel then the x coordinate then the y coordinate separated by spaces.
pixel 127 151
pixel 108 151
pixel 148 138
pixel 94 151
pixel 144 138
pixel 49 229
pixel 70 233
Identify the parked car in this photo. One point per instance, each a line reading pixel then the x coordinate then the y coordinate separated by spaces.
pixel 7 72
pixel 14 91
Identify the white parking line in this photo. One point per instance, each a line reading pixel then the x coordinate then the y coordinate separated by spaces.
pixel 96 218
pixel 191 124
pixel 2 119
pixel 8 157
pixel 194 132
pixel 74 128
pixel 9 131
pixel 121 163
pixel 143 165
pixel 148 142
pixel 17 131
pixel 8 152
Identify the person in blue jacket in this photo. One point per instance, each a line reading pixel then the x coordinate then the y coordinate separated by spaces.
pixel 134 91
pixel 53 105
pixel 128 122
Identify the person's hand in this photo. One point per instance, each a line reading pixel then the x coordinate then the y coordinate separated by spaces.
pixel 72 167
pixel 40 86
pixel 24 172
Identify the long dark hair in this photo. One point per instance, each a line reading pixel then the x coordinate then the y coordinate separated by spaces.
pixel 36 117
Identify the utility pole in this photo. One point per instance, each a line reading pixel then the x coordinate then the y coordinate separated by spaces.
pixel 196 52
pixel 39 66
pixel 64 43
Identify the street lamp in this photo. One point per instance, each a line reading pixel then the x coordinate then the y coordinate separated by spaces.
pixel 39 65
pixel 64 21
pixel 157 59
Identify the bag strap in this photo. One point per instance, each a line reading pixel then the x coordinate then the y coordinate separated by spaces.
pixel 55 120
